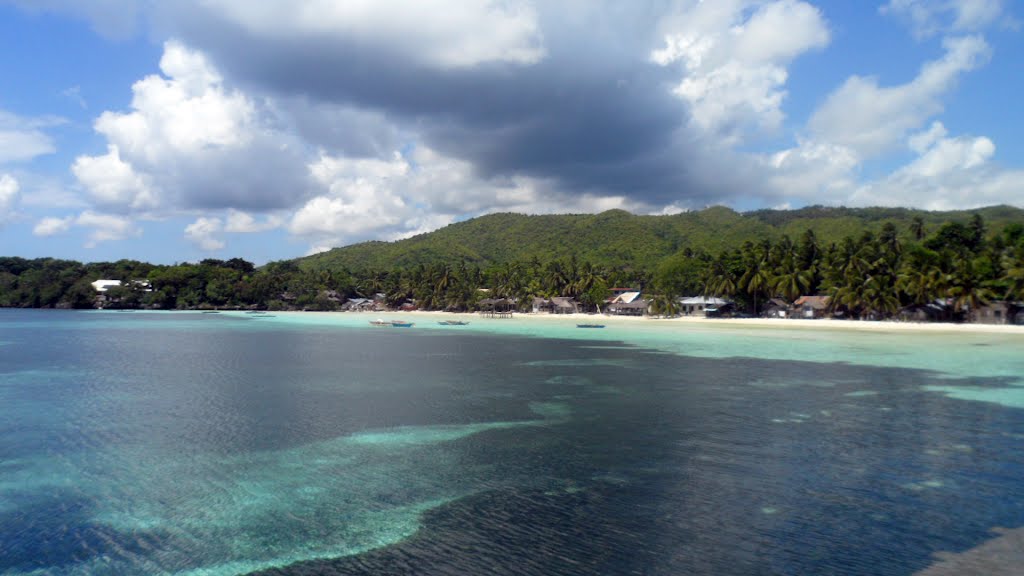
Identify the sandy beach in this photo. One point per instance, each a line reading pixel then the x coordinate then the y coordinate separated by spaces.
pixel 752 323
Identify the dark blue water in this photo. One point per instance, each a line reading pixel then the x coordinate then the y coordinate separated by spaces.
pixel 207 444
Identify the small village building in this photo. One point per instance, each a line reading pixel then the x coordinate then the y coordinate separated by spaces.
pixel 358 305
pixel 496 307
pixel 104 285
pixel 699 305
pixel 775 308
pixel 811 307
pixel 994 313
pixel 540 305
pixel 936 311
pixel 636 307
pixel 564 305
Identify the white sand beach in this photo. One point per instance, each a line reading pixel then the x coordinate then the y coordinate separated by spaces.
pixel 752 323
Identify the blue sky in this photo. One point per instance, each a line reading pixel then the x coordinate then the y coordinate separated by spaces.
pixel 178 131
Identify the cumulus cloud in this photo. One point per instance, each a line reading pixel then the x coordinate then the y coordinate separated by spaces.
pixel 8 196
pixel 110 181
pixel 949 173
pixel 204 233
pixel 102 227
pixel 871 119
pixel 930 17
pixel 190 142
pixel 735 56
pixel 243 223
pixel 444 33
pixel 51 226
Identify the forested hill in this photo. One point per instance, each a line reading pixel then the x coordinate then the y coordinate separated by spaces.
pixel 619 239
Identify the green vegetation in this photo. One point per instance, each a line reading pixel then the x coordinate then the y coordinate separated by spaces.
pixel 871 262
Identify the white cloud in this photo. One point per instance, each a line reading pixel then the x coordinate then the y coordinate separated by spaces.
pixel 735 56
pixel 51 226
pixel 106 227
pixel 871 119
pixel 445 33
pixel 8 196
pixel 22 139
pixel 930 17
pixel 243 223
pixel 204 233
pixel 190 142
pixel 110 181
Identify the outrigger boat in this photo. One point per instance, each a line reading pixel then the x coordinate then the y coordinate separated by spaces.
pixel 590 325
pixel 453 323
pixel 392 323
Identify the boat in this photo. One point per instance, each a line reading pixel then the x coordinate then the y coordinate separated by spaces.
pixel 400 324
pixel 210 312
pixel 453 323
pixel 590 325
pixel 379 322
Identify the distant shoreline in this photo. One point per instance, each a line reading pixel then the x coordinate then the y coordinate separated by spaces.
pixel 682 321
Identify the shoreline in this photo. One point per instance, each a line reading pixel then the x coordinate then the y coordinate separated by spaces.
pixel 682 321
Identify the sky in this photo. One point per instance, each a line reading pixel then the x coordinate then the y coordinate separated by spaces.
pixel 176 131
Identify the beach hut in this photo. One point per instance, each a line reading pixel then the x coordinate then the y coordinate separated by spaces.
pixel 496 307
pixel 636 307
pixel 994 313
pixel 700 304
pixel 811 307
pixel 775 308
pixel 564 305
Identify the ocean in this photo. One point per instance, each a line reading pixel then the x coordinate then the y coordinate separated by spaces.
pixel 138 443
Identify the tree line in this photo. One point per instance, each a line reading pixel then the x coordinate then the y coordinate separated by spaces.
pixel 867 276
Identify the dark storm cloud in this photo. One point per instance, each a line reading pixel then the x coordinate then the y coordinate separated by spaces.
pixel 593 115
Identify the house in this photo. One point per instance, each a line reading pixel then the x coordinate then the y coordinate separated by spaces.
pixel 564 305
pixel 635 307
pixel 699 305
pixel 104 285
pixel 358 305
pixel 623 297
pixel 497 307
pixel 994 313
pixel 775 308
pixel 541 305
pixel 810 307
pixel 935 311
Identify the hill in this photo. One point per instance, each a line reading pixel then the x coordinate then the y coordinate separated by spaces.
pixel 619 239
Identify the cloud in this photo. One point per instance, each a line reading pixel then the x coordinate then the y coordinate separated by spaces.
pixel 8 196
pixel 870 119
pixel 932 17
pixel 949 173
pixel 22 139
pixel 243 223
pixel 112 182
pixel 734 57
pixel 190 142
pixel 204 233
pixel 51 226
pixel 442 33
pixel 115 19
pixel 103 227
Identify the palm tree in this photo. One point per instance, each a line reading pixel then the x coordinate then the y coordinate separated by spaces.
pixel 791 281
pixel 665 305
pixel 917 228
pixel 967 292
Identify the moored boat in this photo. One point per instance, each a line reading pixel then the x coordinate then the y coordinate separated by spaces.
pixel 379 322
pixel 400 324
pixel 590 325
pixel 453 323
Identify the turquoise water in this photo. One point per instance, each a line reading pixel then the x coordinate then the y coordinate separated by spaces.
pixel 176 443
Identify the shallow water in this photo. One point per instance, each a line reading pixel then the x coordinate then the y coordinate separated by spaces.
pixel 174 443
